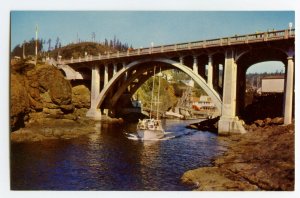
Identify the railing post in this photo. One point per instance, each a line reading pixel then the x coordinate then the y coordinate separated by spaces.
pixel 221 41
pixel 72 59
pixel 228 41
pixel 175 47
pixel 286 34
pixel 162 48
pixel 204 44
pixel 265 36
pixel 139 51
pixel 189 45
pixel 127 52
pixel 118 54
pixel 99 55
pixel 247 39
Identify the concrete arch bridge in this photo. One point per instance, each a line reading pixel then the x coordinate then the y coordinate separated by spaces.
pixel 112 75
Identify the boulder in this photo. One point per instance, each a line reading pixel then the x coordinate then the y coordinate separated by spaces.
pixel 81 96
pixel 268 121
pixel 277 120
pixel 259 123
pixel 52 80
pixel 19 102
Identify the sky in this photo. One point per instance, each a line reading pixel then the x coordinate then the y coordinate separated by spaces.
pixel 141 28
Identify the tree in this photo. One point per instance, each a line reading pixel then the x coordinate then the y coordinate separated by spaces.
pixel 29 49
pixel 49 44
pixel 56 42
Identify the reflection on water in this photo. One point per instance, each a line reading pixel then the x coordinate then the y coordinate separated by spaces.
pixel 107 160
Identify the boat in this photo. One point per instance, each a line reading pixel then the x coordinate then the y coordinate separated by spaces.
pixel 151 129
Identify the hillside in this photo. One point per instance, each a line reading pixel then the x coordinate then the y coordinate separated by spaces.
pixel 79 49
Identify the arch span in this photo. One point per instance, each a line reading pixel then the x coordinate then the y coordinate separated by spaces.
pixel 197 78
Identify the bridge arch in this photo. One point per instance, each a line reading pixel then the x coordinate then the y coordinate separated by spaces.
pixel 249 58
pixel 197 78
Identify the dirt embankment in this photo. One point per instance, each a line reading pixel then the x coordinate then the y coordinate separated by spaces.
pixel 262 159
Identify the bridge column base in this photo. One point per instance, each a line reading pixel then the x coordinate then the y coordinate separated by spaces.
pixel 94 114
pixel 227 126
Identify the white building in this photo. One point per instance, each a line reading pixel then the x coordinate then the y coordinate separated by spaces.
pixel 272 84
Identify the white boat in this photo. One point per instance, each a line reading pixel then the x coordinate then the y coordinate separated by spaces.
pixel 151 129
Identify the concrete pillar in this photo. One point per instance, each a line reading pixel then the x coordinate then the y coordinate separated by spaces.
pixel 228 122
pixel 216 76
pixel 124 66
pixel 289 89
pixel 105 75
pixel 181 60
pixel 210 72
pixel 195 65
pixel 94 112
pixel 115 69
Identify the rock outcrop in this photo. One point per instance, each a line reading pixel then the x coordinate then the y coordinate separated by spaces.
pixel 37 88
pixel 262 159
pixel 81 96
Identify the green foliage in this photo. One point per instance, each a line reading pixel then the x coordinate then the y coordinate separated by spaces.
pixel 178 75
pixel 167 96
pixel 198 91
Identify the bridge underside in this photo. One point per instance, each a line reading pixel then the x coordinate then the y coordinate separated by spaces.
pixel 220 71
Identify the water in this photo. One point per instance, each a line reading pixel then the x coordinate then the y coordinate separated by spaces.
pixel 107 160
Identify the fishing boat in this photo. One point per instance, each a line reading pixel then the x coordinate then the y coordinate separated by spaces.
pixel 151 129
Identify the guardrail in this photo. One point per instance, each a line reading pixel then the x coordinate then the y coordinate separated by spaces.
pixel 234 40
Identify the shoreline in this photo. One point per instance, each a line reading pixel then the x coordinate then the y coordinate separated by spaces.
pixel 262 159
pixel 50 128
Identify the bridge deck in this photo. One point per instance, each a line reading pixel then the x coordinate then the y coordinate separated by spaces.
pixel 235 40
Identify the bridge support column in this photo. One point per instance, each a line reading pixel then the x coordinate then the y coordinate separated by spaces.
pixel 181 60
pixel 289 89
pixel 94 112
pixel 210 72
pixel 229 122
pixel 216 76
pixel 105 75
pixel 115 69
pixel 125 77
pixel 195 65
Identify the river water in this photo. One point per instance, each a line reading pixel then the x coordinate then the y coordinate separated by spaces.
pixel 107 160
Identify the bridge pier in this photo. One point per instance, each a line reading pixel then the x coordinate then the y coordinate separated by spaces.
pixel 289 89
pixel 94 112
pixel 229 122
pixel 105 75
pixel 210 72
pixel 195 65
pixel 115 69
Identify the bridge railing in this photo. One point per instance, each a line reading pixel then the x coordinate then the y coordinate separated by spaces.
pixel 234 40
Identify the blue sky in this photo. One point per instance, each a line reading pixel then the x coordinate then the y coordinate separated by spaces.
pixel 140 28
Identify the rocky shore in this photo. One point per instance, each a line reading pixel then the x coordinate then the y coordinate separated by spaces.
pixel 44 105
pixel 262 159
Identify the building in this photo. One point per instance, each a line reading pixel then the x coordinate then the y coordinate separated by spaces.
pixel 204 103
pixel 272 84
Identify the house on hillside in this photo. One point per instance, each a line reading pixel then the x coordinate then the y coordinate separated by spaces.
pixel 204 103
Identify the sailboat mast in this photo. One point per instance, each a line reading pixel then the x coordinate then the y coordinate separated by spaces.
pixel 158 94
pixel 151 103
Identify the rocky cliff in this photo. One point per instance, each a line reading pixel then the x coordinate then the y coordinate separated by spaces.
pixel 40 91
